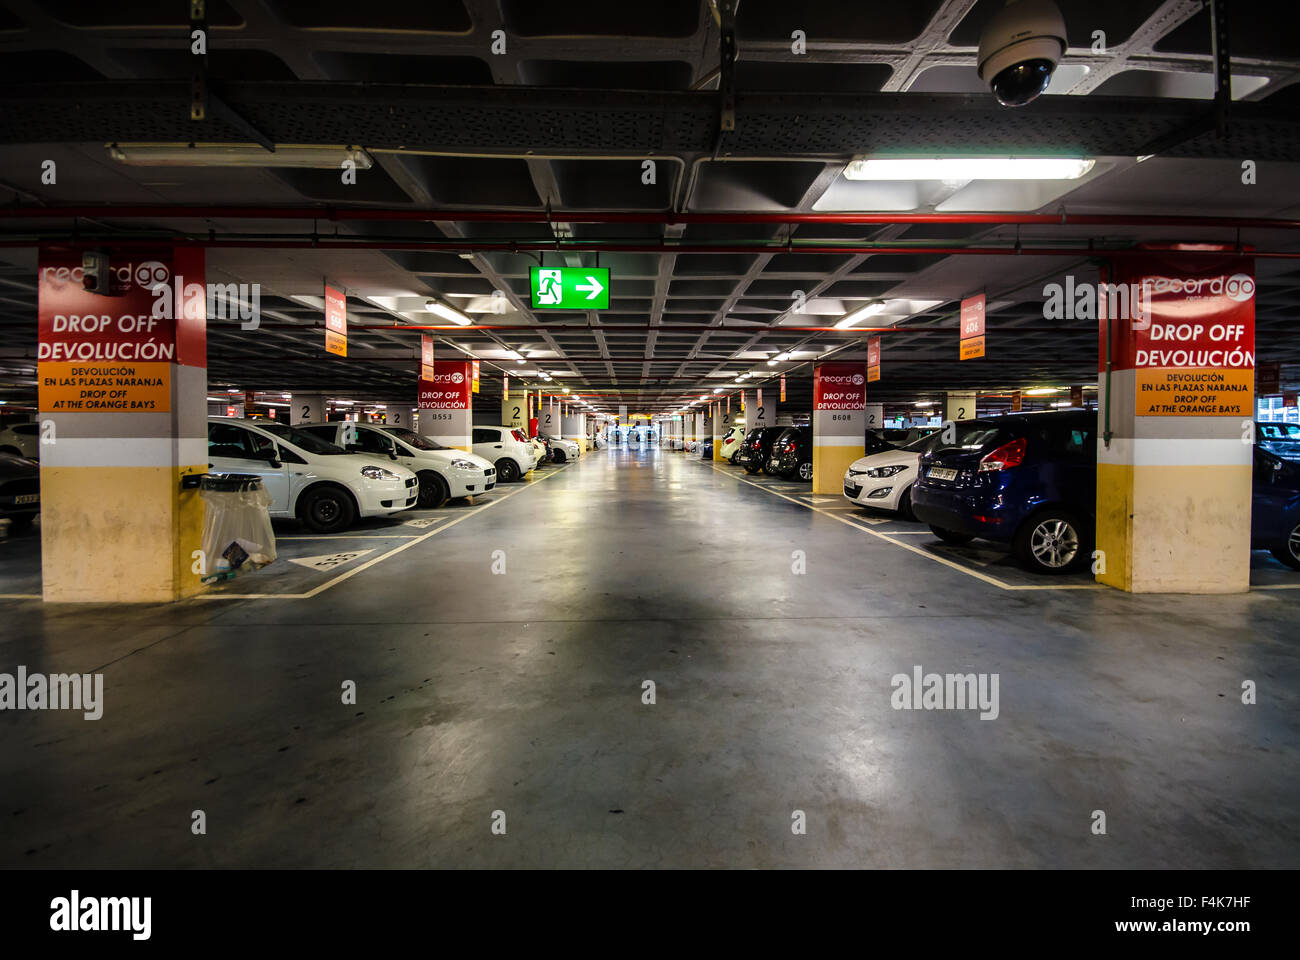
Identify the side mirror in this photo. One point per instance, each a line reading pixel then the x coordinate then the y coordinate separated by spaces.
pixel 392 453
pixel 269 456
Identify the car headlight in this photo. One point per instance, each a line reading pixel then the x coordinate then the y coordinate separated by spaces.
pixel 378 473
pixel 463 465
pixel 880 472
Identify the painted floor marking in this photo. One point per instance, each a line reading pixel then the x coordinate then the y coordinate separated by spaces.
pixel 348 574
pixel 889 538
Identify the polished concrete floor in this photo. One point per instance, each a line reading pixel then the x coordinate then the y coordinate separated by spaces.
pixel 521 692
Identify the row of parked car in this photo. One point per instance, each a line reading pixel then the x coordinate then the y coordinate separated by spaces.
pixel 1029 482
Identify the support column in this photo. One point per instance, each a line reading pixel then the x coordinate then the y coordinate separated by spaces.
pixel 307 408
pixel 1174 478
pixel 446 404
pixel 959 406
pixel 759 411
pixel 124 392
pixel 839 422
pixel 722 419
pixel 574 427
pixel 514 410
pixel 400 415
pixel 875 416
pixel 548 419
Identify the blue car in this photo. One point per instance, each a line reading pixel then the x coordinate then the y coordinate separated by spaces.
pixel 1275 507
pixel 706 450
pixel 1026 480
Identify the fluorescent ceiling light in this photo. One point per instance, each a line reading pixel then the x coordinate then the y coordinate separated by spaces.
pixel 924 403
pixel 236 155
pixel 870 310
pixel 968 168
pixel 1041 391
pixel 447 313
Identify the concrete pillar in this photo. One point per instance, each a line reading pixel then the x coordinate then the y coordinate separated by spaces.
pixel 400 415
pixel 307 408
pixel 116 524
pixel 839 422
pixel 722 420
pixel 548 418
pixel 759 410
pixel 959 406
pixel 446 404
pixel 574 427
pixel 1174 482
pixel 514 410
pixel 875 416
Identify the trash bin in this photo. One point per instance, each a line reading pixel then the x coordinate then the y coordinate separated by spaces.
pixel 237 534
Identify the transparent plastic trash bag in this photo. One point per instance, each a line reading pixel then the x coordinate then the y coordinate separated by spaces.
pixel 237 534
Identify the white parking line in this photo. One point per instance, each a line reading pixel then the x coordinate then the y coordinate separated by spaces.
pixel 889 538
pixel 382 557
pixel 355 536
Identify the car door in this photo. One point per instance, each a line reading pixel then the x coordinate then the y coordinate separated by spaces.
pixel 1268 499
pixel 370 440
pixel 488 444
pixel 235 449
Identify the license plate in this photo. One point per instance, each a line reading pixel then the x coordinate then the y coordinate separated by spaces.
pixel 28 498
pixel 942 473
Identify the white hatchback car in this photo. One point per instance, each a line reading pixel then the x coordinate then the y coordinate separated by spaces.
pixel 731 443
pixel 884 480
pixel 508 449
pixel 22 440
pixel 564 451
pixel 309 478
pixel 444 474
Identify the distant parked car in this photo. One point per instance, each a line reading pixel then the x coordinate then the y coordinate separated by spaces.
pixel 757 448
pixel 563 451
pixel 21 439
pixel 444 473
pixel 792 454
pixel 1275 507
pixel 512 453
pixel 884 479
pixel 1282 439
pixel 706 450
pixel 20 490
pixel 731 443
pixel 1025 480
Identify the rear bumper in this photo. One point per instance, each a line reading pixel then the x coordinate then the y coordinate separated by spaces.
pixel 962 512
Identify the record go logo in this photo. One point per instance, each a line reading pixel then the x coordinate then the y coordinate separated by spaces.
pixel 859 379
pixel 1239 287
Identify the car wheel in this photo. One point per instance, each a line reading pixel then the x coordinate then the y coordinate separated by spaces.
pixel 805 472
pixel 433 490
pixel 21 523
pixel 507 471
pixel 1289 552
pixel 735 459
pixel 951 536
pixel 905 505
pixel 752 469
pixel 559 456
pixel 326 510
pixel 1052 542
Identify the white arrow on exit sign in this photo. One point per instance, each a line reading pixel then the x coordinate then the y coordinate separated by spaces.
pixel 594 286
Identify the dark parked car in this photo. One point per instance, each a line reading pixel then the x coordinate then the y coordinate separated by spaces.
pixel 876 443
pixel 20 490
pixel 706 450
pixel 1025 480
pixel 1282 439
pixel 758 448
pixel 1275 507
pixel 792 454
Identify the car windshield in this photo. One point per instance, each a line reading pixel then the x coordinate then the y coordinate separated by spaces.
pixel 922 444
pixel 970 437
pixel 302 439
pixel 413 439
pixel 1279 431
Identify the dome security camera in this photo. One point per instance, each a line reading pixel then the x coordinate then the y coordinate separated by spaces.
pixel 1019 50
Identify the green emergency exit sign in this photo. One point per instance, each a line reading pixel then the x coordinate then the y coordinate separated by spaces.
pixel 569 288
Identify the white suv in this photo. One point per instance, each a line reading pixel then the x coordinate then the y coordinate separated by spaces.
pixel 444 474
pixel 507 448
pixel 321 484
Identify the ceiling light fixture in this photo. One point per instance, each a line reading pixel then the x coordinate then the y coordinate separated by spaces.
pixel 237 155
pixel 1042 391
pixel 968 168
pixel 870 310
pixel 447 313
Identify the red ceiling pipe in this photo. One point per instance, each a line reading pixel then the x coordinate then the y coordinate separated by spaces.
pixel 329 213
pixel 660 249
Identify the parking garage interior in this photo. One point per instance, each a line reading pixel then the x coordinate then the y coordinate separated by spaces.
pixel 574 611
